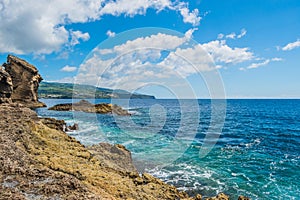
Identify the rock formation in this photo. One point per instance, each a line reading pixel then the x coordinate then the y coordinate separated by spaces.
pixel 113 156
pixel 6 87
pixel 85 106
pixel 37 162
pixel 25 80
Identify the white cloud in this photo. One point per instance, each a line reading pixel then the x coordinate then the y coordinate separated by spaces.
pixel 256 65
pixel 189 33
pixel 221 52
pixel 136 62
pixel 157 41
pixel 291 46
pixel 78 35
pixel 277 59
pixel 40 26
pixel 68 68
pixel 231 36
pixel 265 62
pixel 190 17
pixel 243 33
pixel 109 33
pixel 131 8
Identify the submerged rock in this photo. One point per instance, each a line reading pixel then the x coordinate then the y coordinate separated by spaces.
pixel 6 87
pixel 85 106
pixel 25 81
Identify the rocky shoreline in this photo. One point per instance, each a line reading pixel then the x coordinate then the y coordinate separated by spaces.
pixel 38 160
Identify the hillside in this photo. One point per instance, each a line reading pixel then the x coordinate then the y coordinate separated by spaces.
pixel 69 91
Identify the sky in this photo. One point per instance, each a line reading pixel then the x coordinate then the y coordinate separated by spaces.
pixel 184 49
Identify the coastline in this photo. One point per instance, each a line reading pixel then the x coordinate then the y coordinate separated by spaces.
pixel 39 162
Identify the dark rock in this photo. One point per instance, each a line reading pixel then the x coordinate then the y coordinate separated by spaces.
pixel 54 123
pixel 243 198
pixel 25 80
pixel 85 106
pixel 73 127
pixel 6 87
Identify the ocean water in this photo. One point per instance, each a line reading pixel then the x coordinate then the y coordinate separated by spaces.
pixel 257 153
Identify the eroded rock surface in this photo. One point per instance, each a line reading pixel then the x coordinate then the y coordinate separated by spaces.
pixel 25 80
pixel 37 162
pixel 6 86
pixel 113 156
pixel 85 106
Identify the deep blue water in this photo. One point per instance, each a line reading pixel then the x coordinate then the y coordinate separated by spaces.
pixel 256 155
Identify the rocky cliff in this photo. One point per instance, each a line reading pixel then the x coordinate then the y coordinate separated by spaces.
pixel 6 87
pixel 25 81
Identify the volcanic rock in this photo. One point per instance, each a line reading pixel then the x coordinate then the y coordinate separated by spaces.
pixel 6 87
pixel 25 80
pixel 85 106
pixel 113 156
pixel 38 162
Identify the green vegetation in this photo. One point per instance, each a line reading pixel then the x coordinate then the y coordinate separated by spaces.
pixel 69 91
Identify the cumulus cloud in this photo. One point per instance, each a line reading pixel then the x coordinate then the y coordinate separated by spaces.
pixel 157 41
pixel 40 26
pixel 78 35
pixel 157 58
pixel 109 33
pixel 221 52
pixel 291 46
pixel 190 17
pixel 68 68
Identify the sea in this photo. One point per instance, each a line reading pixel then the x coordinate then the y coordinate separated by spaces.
pixel 239 147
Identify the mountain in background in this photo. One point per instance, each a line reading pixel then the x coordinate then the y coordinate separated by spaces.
pixel 52 90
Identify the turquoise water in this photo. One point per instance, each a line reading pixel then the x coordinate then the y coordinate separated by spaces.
pixel 257 154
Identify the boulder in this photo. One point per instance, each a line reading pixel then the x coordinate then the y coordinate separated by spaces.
pixel 73 127
pixel 220 196
pixel 6 87
pixel 25 80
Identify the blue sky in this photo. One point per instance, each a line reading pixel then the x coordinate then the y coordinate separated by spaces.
pixel 253 45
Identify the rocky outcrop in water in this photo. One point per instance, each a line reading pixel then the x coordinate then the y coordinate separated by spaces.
pixel 6 87
pixel 85 106
pixel 25 81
